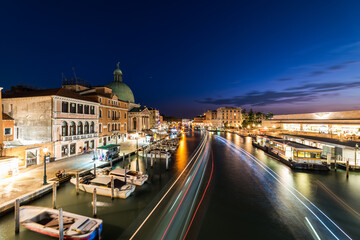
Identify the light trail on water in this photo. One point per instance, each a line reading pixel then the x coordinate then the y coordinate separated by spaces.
pixel 312 208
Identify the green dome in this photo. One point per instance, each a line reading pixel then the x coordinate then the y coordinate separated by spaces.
pixel 117 71
pixel 123 91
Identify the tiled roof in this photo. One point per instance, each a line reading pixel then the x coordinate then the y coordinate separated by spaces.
pixel 46 92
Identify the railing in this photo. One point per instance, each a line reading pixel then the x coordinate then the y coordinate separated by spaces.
pixel 76 137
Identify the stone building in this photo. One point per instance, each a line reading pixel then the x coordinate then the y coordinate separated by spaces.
pixel 229 116
pixel 59 119
pixel 112 115
pixel 139 120
pixel 154 118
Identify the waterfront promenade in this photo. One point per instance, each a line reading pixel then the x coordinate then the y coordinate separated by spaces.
pixel 30 179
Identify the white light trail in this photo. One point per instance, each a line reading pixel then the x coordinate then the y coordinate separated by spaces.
pixel 276 177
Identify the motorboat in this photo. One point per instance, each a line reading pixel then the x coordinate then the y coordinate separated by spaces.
pixel 46 221
pixel 133 177
pixel 102 183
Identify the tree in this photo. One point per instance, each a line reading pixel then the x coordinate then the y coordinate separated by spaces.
pixel 269 115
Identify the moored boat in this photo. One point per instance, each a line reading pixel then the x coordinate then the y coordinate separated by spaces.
pixel 158 153
pixel 46 221
pixel 102 183
pixel 133 177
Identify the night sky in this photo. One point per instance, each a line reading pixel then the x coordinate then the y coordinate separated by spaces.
pixel 184 57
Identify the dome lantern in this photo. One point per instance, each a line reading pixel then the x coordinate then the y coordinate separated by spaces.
pixel 118 73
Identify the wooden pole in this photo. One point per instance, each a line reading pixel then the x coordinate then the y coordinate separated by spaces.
pixel 347 168
pixel 129 161
pixel 112 187
pixel 167 162
pixel 94 203
pixel 95 169
pixel 123 160
pixel 335 164
pixel 54 196
pixel 125 175
pixel 17 215
pixel 151 160
pixel 61 225
pixel 77 183
pixel 146 160
pixel 111 162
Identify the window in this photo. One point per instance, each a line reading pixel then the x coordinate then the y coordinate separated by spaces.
pixel 72 148
pixel 7 131
pixel 73 107
pixel 86 128
pixel 86 109
pixel 109 114
pixel 64 129
pixel 80 108
pixel 65 107
pixel 100 100
pixel 92 110
pixel 64 150
pixel 92 144
pixel 125 126
pixel 100 128
pixel 109 127
pixel 125 115
pixel 92 127
pixel 100 113
pixel 72 129
pixel 80 128
pixel 119 114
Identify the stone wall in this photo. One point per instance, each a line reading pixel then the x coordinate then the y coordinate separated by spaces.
pixel 32 117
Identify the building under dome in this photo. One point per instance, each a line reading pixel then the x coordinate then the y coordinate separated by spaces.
pixel 119 88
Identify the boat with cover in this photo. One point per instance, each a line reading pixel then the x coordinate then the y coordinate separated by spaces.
pixel 102 183
pixel 156 152
pixel 46 221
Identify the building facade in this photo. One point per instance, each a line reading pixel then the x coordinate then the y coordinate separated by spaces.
pixel 229 116
pixel 154 118
pixel 139 120
pixel 60 120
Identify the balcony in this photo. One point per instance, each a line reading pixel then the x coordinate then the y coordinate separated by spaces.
pixel 77 137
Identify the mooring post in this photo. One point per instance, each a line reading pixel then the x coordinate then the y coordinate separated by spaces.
pixel 95 169
pixel 146 160
pixel 151 160
pixel 61 225
pixel 125 175
pixel 167 161
pixel 347 168
pixel 123 160
pixel 77 183
pixel 129 161
pixel 54 196
pixel 112 187
pixel 94 203
pixel 111 162
pixel 155 156
pixel 335 164
pixel 17 215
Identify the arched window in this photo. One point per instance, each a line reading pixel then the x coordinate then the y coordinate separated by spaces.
pixel 100 113
pixel 80 128
pixel 92 127
pixel 72 129
pixel 86 128
pixel 125 127
pixel 64 129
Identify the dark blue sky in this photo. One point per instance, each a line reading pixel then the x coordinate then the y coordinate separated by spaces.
pixel 184 57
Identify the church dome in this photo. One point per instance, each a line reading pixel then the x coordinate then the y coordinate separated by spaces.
pixel 120 89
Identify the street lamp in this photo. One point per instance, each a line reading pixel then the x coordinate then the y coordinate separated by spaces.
pixel 45 150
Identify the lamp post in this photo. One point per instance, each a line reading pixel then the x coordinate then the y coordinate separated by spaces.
pixel 45 150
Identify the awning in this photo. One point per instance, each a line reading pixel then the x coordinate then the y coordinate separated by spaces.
pixel 109 147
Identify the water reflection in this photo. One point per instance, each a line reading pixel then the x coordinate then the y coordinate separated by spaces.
pixel 182 154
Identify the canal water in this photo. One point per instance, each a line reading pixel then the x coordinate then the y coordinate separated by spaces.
pixel 243 202
pixel 117 214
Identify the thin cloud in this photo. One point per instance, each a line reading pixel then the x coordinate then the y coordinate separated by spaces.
pixel 284 79
pixel 302 93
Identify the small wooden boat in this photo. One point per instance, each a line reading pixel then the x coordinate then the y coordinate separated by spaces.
pixel 46 221
pixel 102 183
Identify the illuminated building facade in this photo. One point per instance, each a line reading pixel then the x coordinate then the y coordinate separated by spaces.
pixel 341 124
